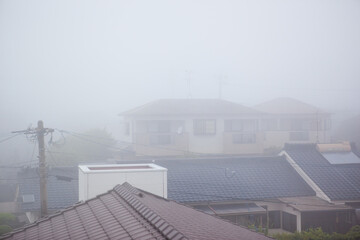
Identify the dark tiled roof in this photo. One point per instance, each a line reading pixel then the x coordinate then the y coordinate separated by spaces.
pixel 128 213
pixel 190 107
pixel 338 181
pixel 62 188
pixel 287 106
pixel 224 179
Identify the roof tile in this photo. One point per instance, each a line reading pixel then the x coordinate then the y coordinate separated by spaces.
pixel 122 214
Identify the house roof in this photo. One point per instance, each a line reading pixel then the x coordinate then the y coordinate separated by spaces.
pixel 128 213
pixel 337 181
pixel 312 203
pixel 287 106
pixel 62 188
pixel 177 107
pixel 232 178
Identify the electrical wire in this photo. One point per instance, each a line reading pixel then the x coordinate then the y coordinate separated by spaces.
pixel 8 138
pixel 78 135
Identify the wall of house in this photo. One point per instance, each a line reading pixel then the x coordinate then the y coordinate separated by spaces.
pixel 281 129
pixel 206 144
pixel 188 142
pixel 277 139
pixel 179 145
pixel 272 132
pixel 244 148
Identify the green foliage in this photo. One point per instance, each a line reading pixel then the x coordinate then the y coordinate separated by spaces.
pixel 91 146
pixel 260 228
pixel 6 221
pixel 7 218
pixel 318 234
pixel 5 229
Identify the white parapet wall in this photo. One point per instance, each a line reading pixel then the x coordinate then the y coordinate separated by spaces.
pixel 98 179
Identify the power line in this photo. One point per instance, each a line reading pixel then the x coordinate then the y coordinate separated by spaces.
pixel 138 144
pixel 8 138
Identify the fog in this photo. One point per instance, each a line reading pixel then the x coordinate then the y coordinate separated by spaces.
pixel 77 64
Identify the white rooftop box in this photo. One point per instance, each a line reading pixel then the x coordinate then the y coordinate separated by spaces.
pixel 98 179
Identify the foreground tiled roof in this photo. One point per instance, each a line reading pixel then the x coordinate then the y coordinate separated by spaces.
pixel 337 181
pixel 62 188
pixel 190 107
pixel 128 213
pixel 225 179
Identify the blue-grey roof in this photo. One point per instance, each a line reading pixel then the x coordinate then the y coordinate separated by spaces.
pixel 337 181
pixel 226 179
pixel 61 191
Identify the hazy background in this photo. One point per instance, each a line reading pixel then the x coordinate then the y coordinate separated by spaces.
pixel 77 64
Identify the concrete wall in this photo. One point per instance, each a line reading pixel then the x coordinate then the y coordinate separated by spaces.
pixel 95 182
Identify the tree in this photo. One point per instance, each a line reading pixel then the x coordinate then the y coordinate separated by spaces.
pixel 91 146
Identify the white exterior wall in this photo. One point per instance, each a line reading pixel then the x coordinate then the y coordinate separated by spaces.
pixel 206 144
pixel 95 182
pixel 209 144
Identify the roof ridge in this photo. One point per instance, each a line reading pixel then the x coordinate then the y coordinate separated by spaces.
pixel 126 192
pixel 138 108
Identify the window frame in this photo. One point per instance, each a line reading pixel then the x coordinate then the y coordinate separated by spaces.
pixel 202 130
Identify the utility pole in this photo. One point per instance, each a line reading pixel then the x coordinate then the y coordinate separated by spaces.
pixel 40 132
pixel 221 83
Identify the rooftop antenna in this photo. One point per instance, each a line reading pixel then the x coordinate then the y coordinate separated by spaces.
pixel 188 82
pixel 221 83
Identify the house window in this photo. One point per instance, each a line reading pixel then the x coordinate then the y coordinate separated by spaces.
pixel 158 126
pixel 160 139
pixel 269 124
pixel 299 136
pixel 327 123
pixel 299 125
pixel 204 127
pixel 127 128
pixel 237 125
pixel 244 138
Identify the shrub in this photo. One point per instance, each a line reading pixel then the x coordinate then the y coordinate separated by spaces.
pixel 318 234
pixel 5 229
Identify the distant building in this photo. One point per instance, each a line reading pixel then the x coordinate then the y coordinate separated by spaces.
pixel 191 126
pixel 288 120
pixel 171 127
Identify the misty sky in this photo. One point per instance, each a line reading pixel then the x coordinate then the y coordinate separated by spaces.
pixel 77 64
